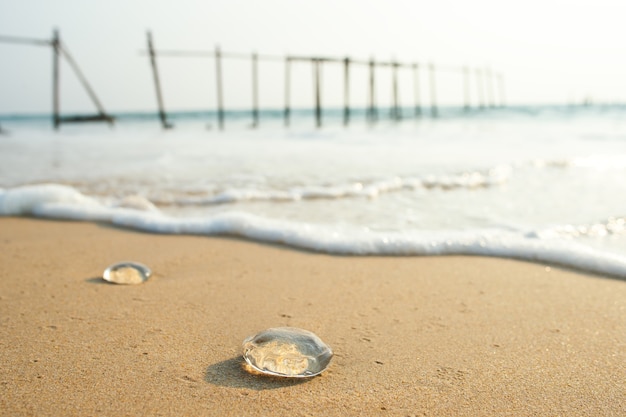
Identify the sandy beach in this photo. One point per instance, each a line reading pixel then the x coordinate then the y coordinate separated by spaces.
pixel 411 335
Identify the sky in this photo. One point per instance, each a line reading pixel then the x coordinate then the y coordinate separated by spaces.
pixel 548 51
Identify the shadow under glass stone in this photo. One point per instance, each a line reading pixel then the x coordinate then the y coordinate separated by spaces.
pixel 236 373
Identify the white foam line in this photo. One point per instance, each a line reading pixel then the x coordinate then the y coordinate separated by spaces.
pixel 60 202
pixel 323 239
pixel 469 180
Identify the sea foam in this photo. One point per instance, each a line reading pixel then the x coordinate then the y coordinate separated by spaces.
pixel 64 202
pixel 355 189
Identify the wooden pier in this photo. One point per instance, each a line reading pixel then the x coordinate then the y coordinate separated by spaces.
pixel 489 85
pixel 484 78
pixel 60 51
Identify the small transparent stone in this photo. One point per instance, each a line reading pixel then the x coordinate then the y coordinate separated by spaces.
pixel 127 273
pixel 287 352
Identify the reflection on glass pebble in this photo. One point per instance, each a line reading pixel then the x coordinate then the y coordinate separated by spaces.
pixel 287 352
pixel 127 273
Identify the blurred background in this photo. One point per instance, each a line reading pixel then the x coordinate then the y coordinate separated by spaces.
pixel 549 51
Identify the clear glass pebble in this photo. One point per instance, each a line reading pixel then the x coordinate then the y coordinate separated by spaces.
pixel 287 352
pixel 127 273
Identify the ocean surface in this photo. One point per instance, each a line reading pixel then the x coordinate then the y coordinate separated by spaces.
pixel 545 184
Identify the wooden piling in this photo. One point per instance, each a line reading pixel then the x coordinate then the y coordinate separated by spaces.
pixel 416 82
pixel 101 116
pixel 218 79
pixel 433 91
pixel 501 90
pixel 372 111
pixel 346 91
pixel 395 112
pixel 56 102
pixel 157 84
pixel 317 87
pixel 480 89
pixel 486 84
pixel 466 89
pixel 60 51
pixel 255 91
pixel 287 86
pixel 489 82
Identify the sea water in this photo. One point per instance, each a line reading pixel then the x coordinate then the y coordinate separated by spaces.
pixel 544 184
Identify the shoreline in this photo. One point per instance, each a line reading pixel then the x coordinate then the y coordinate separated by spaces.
pixel 445 335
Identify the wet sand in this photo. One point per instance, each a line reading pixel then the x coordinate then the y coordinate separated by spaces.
pixel 412 335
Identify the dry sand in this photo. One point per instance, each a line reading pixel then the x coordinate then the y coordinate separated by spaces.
pixel 411 335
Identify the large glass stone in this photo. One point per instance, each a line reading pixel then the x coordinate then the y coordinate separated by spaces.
pixel 127 273
pixel 287 352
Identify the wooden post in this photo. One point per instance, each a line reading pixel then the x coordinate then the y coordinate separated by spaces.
pixel 317 87
pixel 372 112
pixel 466 89
pixel 433 91
pixel 480 89
pixel 346 91
pixel 489 82
pixel 395 112
pixel 416 81
pixel 58 52
pixel 83 80
pixel 157 84
pixel 287 85
pixel 56 119
pixel 255 91
pixel 220 97
pixel 501 89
